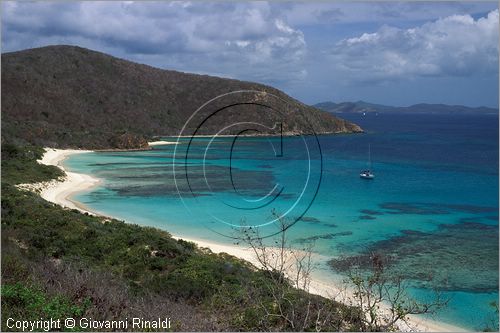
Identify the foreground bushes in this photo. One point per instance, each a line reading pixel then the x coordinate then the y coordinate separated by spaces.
pixel 84 265
pixel 32 303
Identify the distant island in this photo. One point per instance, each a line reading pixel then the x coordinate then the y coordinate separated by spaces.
pixel 71 97
pixel 422 108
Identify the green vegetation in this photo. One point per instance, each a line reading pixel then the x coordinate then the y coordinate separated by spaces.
pixel 59 262
pixel 32 303
pixel 67 96
pixel 19 165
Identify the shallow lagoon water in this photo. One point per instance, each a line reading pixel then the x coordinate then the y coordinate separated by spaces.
pixel 433 204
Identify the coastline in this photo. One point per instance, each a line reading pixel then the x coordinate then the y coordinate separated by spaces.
pixel 161 142
pixel 255 135
pixel 60 192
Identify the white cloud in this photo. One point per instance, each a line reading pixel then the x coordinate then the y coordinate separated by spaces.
pixel 456 45
pixel 327 12
pixel 284 44
pixel 250 39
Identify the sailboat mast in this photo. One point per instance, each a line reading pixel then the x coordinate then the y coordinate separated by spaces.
pixel 369 156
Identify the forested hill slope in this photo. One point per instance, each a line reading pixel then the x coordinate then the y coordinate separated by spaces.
pixel 67 96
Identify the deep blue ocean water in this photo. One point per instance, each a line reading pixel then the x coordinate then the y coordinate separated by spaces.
pixel 433 205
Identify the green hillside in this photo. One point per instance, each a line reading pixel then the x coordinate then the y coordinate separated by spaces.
pixel 66 96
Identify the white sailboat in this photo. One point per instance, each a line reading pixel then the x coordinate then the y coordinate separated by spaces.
pixel 367 174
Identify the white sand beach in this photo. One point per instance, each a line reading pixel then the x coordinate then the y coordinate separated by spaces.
pixel 317 285
pixel 60 192
pixel 327 289
pixel 161 142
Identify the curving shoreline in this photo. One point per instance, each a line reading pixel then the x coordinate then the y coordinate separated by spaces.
pixel 60 192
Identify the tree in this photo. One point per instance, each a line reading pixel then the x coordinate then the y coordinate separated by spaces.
pixel 380 299
pixel 283 262
pixel 289 305
pixel 383 297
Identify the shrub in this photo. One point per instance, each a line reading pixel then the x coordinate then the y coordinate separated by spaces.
pixel 23 302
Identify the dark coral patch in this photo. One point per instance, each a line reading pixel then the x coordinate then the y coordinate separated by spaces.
pixel 456 257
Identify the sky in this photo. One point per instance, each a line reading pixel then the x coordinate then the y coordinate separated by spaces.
pixel 394 53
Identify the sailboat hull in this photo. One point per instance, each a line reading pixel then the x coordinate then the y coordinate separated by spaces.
pixel 367 176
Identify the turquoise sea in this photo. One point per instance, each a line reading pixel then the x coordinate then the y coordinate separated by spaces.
pixel 433 206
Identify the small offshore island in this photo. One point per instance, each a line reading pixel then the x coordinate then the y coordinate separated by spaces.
pixel 62 259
